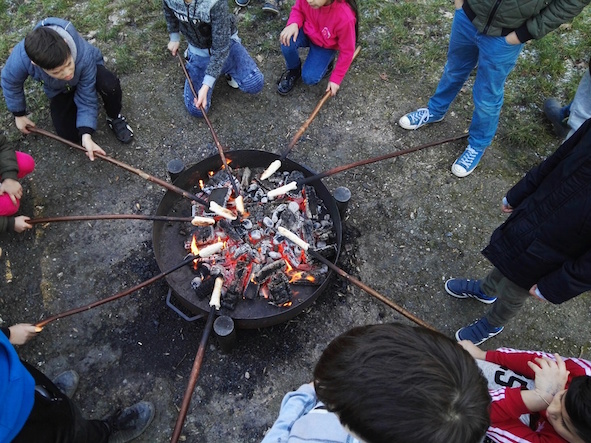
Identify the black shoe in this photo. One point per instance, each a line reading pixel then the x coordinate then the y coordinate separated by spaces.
pixel 271 6
pixel 558 116
pixel 288 80
pixel 129 423
pixel 67 382
pixel 329 69
pixel 121 129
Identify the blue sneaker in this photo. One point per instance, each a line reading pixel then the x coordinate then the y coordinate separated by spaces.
pixel 478 332
pixel 242 3
pixel 418 118
pixel 466 162
pixel 464 288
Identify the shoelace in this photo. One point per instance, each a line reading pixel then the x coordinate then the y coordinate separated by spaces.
pixel 467 158
pixel 420 116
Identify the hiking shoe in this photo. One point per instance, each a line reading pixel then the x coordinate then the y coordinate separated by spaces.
pixel 478 332
pixel 288 80
pixel 418 118
pixel 271 6
pixel 558 116
pixel 129 423
pixel 466 162
pixel 231 81
pixel 464 288
pixel 67 382
pixel 121 129
pixel 242 3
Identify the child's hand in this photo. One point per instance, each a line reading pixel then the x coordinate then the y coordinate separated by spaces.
pixel 91 147
pixel 474 350
pixel 13 188
pixel 20 223
pixel 333 88
pixel 289 32
pixel 173 47
pixel 550 376
pixel 22 122
pixel 22 333
pixel 201 100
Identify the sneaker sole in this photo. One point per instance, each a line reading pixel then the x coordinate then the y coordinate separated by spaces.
pixel 463 295
pixel 459 173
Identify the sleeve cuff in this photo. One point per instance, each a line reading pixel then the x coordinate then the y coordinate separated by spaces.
pixel 20 113
pixel 523 34
pixel 85 130
pixel 6 331
pixel 175 37
pixel 539 295
pixel 209 81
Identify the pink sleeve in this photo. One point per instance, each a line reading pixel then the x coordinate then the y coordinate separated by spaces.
pixel 346 51
pixel 296 15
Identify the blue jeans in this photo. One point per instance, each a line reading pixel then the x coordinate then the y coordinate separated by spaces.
pixel 316 63
pixel 239 64
pixel 495 59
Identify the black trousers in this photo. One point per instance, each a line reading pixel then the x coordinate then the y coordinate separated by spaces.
pixel 57 419
pixel 64 109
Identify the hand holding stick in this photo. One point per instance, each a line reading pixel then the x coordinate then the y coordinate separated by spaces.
pixel 239 199
pixel 306 247
pixel 293 185
pixel 125 166
pixel 276 164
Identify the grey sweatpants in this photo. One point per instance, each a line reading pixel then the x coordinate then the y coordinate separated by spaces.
pixel 510 297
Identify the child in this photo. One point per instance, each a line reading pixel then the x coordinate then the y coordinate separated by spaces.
pixel 13 165
pixel 388 383
pixel 327 26
pixel 72 72
pixel 35 409
pixel 214 49
pixel 558 408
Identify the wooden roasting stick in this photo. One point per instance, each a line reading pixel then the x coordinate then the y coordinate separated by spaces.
pixel 40 325
pixel 204 252
pixel 293 185
pixel 276 164
pixel 125 166
pixel 239 199
pixel 214 304
pixel 306 247
pixel 195 221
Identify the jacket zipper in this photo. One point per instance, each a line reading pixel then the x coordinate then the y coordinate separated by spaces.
pixel 492 16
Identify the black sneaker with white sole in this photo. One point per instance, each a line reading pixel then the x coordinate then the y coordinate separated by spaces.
pixel 121 129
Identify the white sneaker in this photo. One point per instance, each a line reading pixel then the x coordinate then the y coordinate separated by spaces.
pixel 231 82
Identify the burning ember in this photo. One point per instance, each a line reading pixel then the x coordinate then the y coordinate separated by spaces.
pixel 245 248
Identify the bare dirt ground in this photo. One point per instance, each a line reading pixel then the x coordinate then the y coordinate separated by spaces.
pixel 411 225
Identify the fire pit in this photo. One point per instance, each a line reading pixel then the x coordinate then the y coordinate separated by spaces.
pixel 169 244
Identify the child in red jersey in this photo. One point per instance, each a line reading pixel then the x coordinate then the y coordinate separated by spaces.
pixel 325 26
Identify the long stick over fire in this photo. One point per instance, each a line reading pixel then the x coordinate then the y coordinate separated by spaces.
pixel 214 304
pixel 294 184
pixel 125 166
pixel 306 247
pixel 239 198
pixel 195 221
pixel 276 164
pixel 117 296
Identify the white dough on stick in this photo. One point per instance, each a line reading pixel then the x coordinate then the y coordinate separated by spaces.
pixel 293 237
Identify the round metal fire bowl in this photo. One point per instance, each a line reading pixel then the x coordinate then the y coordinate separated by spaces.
pixel 169 243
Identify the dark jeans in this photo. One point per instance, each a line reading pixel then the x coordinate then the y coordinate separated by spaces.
pixel 64 109
pixel 57 419
pixel 510 297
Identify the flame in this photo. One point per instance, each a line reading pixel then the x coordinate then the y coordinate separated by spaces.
pixel 201 184
pixel 195 251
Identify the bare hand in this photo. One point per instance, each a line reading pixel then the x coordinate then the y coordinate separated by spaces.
pixel 506 208
pixel 173 47
pixel 13 188
pixel 512 38
pixel 22 123
pixel 288 34
pixel 91 147
pixel 20 223
pixel 550 376
pixel 22 333
pixel 201 100
pixel 333 88
pixel 474 350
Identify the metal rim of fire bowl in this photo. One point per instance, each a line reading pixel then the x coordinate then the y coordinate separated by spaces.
pixel 169 243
